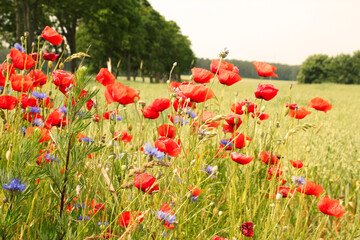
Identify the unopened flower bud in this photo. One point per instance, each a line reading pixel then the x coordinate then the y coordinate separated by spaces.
pixel 167 81
pixel 290 86
pixel 236 121
pixel 262 109
pixel 277 124
pixel 130 126
pixel 136 99
pixel 26 34
pixel 142 103
pixel 50 64
pixel 174 64
pixel 22 38
pixel 279 196
pixel 61 65
pixel 39 38
pixel 223 54
pixel 220 213
pixel 236 94
pixel 9 59
pixel 8 154
pixel 308 149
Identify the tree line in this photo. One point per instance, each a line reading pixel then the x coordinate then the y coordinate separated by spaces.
pixel 319 68
pixel 137 39
pixel 247 69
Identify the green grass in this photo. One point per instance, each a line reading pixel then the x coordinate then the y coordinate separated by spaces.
pixel 329 150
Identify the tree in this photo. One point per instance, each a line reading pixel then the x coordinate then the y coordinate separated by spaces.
pixel 315 69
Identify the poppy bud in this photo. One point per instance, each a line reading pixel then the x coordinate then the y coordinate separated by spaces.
pixel 279 196
pixel 277 124
pixel 220 213
pixel 181 100
pixel 308 149
pixel 262 109
pixel 61 65
pixel 39 38
pixel 223 54
pixel 50 64
pixel 174 64
pixel 167 81
pixel 32 44
pixel 7 155
pixel 136 99
pixel 130 127
pixel 22 38
pixel 9 59
pixel 123 167
pixel 26 34
pixel 290 86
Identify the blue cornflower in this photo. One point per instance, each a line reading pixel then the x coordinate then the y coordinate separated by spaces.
pixel 194 199
pixel 1 89
pixel 298 180
pixel 23 129
pixel 38 122
pixel 35 110
pixel 103 223
pixel 191 113
pixel 87 139
pixel 81 218
pixel 153 151
pixel 211 170
pixel 19 47
pixel 165 216
pixel 52 158
pixel 225 142
pixel 15 185
pixel 180 120
pixel 116 117
pixel 63 110
pixel 39 95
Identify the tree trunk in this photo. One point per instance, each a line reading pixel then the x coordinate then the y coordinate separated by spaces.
pixel 27 22
pixel 128 71
pixel 150 76
pixel 142 75
pixel 134 75
pixel 17 20
pixel 157 77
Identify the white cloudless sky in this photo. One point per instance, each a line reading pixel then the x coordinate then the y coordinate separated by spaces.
pixel 280 31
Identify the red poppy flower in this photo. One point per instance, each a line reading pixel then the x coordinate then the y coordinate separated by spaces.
pixel 311 189
pixel 63 80
pixel 297 163
pixel 202 75
pixel 144 182
pixel 233 119
pixel 47 102
pixel 196 92
pixel 266 157
pixel 21 60
pixel 223 65
pixel 31 116
pixel 241 158
pixel 227 128
pixel 219 238
pixel 125 137
pixel 38 77
pixel 173 86
pixel 240 140
pixel 331 207
pixel 272 170
pixel 207 115
pixel 266 92
pixel 50 56
pixel 261 116
pixel 265 69
pixel 320 104
pixel 168 146
pixel 55 118
pixel 21 83
pixel 8 102
pixel 291 106
pixel 183 104
pixel 167 130
pixel 228 77
pixel 299 114
pixel 7 68
pixel 195 191
pixel 96 118
pixel 35 56
pixel 127 218
pixel 247 229
pixel 166 209
pixel 120 93
pixel 149 113
pixel 238 107
pixel 43 133
pixel 105 77
pixel 27 102
pixel 285 191
pixel 52 36
pixel 160 104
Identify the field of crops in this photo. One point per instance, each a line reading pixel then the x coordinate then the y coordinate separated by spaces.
pixel 91 157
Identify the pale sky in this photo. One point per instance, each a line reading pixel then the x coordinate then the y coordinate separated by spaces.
pixel 280 31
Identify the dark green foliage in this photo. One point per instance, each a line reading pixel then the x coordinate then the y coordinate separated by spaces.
pixel 247 69
pixel 342 68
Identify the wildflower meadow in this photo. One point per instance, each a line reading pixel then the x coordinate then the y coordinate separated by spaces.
pixel 214 156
